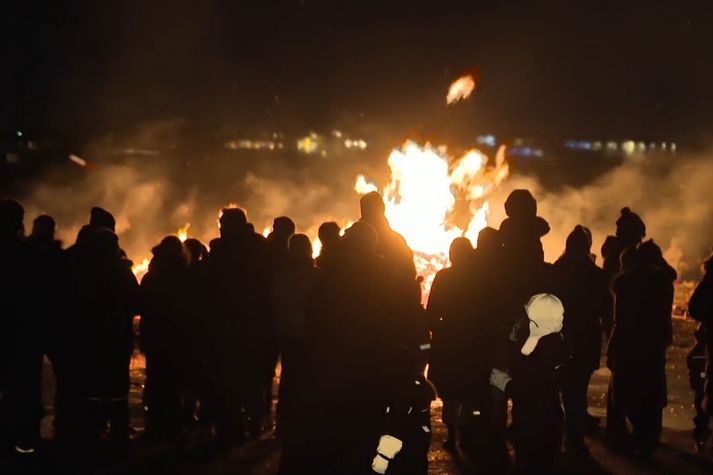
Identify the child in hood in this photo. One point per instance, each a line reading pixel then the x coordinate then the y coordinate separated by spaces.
pixel 533 384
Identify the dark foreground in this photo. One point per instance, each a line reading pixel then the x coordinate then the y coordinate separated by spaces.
pixel 260 457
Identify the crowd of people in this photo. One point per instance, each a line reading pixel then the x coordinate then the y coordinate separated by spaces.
pixel 361 359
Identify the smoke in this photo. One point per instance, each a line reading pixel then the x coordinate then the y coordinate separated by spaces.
pixel 669 192
pixel 156 191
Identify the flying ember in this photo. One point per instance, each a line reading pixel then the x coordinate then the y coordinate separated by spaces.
pixel 427 188
pixel 460 89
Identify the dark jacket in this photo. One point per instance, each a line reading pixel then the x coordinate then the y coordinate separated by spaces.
pixel 589 308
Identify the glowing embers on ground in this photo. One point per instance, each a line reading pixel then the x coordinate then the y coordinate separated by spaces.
pixel 433 198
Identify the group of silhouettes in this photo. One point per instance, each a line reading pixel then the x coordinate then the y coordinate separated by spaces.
pixel 361 359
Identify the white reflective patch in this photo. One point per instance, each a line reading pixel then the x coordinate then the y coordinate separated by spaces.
pixel 426 429
pixel 388 408
pixel 20 450
pixel 409 410
pixel 476 413
pixel 703 375
pixel 418 383
pixel 425 346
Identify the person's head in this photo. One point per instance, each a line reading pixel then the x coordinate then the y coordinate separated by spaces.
pixel 170 251
pixel 299 248
pixel 630 227
pixel 101 218
pixel 43 228
pixel 520 204
pixel 372 207
pixel 233 222
pixel 282 228
pixel 104 244
pixel 12 215
pixel 489 240
pixel 629 259
pixel 546 314
pixel 650 253
pixel 196 249
pixel 360 240
pixel 579 243
pixel 328 234
pixel 460 251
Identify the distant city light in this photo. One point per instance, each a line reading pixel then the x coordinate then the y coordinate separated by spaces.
pixel 628 147
pixel 247 144
pixel 308 144
pixel 488 140
pixel 355 144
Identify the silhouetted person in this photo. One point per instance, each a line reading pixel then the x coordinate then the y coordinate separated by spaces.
pixel 236 335
pixel 196 250
pixel 391 245
pixel 166 337
pixel 196 374
pixel 43 228
pixel 637 348
pixel 101 218
pixel 585 294
pixel 98 385
pixel 363 354
pixel 20 340
pixel 533 382
pixel 696 361
pixel 329 237
pixel 277 243
pixel 291 288
pixel 700 308
pixel 630 231
pixel 448 309
pixel 521 231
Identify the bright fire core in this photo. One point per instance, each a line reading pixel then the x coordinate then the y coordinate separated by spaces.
pixel 433 198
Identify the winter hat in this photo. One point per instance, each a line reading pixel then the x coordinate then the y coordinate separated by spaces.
pixel 630 225
pixel 546 313
pixel 101 218
pixel 521 204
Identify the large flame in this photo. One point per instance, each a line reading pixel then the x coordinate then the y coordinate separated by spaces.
pixel 460 89
pixel 433 198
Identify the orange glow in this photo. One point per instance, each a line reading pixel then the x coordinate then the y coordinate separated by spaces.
pixel 460 89
pixel 182 232
pixel 426 182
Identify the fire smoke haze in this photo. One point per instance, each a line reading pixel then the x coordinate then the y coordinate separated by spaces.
pixel 150 199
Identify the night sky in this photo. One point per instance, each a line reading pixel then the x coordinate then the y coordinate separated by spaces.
pixel 556 68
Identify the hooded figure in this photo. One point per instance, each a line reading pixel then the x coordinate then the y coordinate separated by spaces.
pixel 585 294
pixel 535 372
pixel 165 336
pixel 522 229
pixel 236 335
pixel 637 348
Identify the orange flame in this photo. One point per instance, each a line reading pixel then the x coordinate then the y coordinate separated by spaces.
pixel 460 89
pixel 426 183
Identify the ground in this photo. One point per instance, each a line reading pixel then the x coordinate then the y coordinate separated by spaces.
pixel 260 457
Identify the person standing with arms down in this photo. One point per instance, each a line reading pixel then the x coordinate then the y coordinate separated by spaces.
pixel 700 308
pixel 585 294
pixel 637 348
